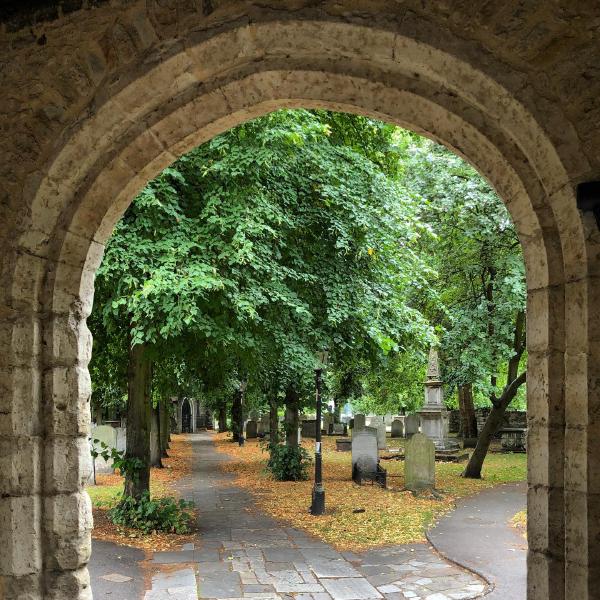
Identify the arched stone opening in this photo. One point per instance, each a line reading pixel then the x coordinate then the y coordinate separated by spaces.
pixel 186 416
pixel 211 83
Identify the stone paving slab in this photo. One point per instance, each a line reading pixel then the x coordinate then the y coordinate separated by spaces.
pixel 244 554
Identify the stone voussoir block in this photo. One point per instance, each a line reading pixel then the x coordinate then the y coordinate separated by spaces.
pixel 69 339
pixel 67 524
pixel 20 392
pixel 20 536
pixel 68 585
pixel 67 391
pixel 20 466
pixel 68 464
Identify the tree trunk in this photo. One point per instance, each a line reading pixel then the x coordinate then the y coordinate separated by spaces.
pixel 292 422
pixel 155 442
pixel 163 412
pixel 237 415
pixel 273 422
pixel 222 417
pixel 492 423
pixel 467 411
pixel 138 420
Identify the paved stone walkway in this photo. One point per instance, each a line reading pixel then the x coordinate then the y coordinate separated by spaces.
pixel 477 536
pixel 246 554
pixel 115 571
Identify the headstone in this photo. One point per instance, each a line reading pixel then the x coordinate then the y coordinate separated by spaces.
pixel 121 439
pixel 398 428
pixel 419 463
pixel 251 430
pixel 364 450
pixel 514 439
pixel 343 445
pixel 328 423
pixel 340 429
pixel 381 433
pixel 107 435
pixel 264 425
pixel 373 420
pixel 411 425
pixel 387 419
pixel 309 428
pixel 359 422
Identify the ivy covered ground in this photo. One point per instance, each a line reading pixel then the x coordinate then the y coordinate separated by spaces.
pixel 109 490
pixel 391 516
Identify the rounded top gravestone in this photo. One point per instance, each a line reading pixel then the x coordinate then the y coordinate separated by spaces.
pixel 364 450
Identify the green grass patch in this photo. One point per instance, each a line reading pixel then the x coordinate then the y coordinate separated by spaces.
pixel 105 496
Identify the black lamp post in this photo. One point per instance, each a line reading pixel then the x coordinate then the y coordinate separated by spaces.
pixel 318 495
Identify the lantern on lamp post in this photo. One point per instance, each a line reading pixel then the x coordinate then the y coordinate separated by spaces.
pixel 317 506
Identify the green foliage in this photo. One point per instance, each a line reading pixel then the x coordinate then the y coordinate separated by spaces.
pixel 128 467
pixel 148 515
pixel 288 463
pixel 304 229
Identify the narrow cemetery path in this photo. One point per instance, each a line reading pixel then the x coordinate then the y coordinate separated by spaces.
pixel 243 553
pixel 478 535
pixel 115 571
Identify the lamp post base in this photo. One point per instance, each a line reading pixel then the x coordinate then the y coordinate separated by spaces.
pixel 318 500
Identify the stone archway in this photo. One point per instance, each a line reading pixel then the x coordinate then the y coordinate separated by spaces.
pixel 167 87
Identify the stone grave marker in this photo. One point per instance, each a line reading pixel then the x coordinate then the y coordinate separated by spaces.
pixel 381 433
pixel 387 419
pixel 364 449
pixel 309 428
pixel 397 428
pixel 374 421
pixel 108 435
pixel 411 425
pixel 340 429
pixel 328 423
pixel 359 422
pixel 121 438
pixel 419 463
pixel 251 429
pixel 264 425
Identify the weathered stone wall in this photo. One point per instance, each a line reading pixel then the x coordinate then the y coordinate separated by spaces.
pixel 512 418
pixel 95 102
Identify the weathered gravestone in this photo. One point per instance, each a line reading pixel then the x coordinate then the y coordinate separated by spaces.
pixel 419 463
pixel 397 428
pixel 374 421
pixel 309 428
pixel 107 435
pixel 328 423
pixel 411 425
pixel 365 457
pixel 387 419
pixel 251 430
pixel 264 425
pixel 381 433
pixel 340 429
pixel 359 422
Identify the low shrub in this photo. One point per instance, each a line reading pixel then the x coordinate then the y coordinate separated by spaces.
pixel 288 463
pixel 148 515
